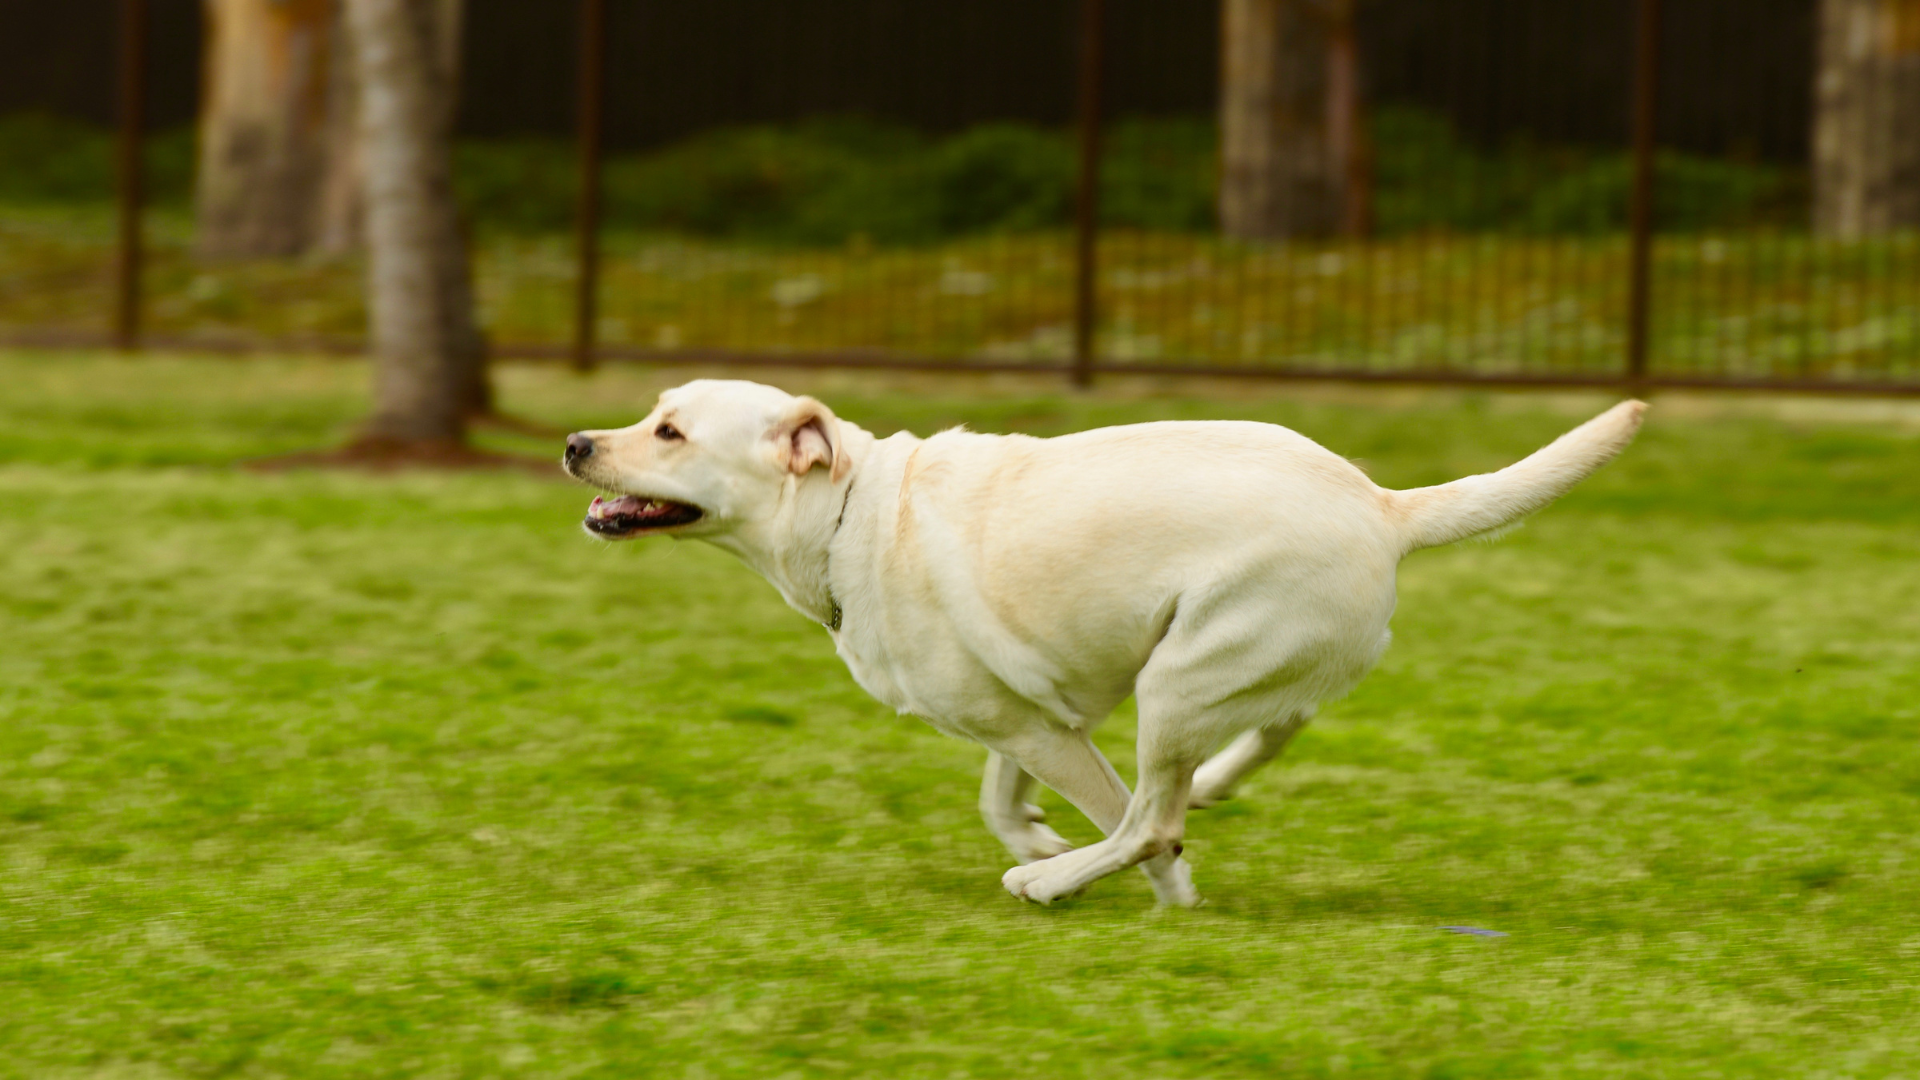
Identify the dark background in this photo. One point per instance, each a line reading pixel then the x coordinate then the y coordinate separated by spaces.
pixel 1736 74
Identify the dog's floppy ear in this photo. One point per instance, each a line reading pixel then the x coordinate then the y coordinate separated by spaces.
pixel 809 435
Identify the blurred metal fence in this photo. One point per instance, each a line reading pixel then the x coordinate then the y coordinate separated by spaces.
pixel 1480 243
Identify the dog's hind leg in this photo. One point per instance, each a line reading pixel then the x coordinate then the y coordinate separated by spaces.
pixel 1004 806
pixel 1215 781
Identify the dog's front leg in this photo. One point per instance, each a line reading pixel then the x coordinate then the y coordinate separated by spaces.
pixel 1148 836
pixel 1068 762
pixel 1004 806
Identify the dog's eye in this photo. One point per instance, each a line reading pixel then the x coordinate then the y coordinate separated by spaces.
pixel 668 432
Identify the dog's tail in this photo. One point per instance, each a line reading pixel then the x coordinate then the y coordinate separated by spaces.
pixel 1474 505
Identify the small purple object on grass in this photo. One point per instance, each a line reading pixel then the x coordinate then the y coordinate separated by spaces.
pixel 1474 930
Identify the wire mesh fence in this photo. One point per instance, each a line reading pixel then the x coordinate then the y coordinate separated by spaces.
pixel 1454 194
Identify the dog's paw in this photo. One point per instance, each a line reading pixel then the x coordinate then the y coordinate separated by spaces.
pixel 1035 843
pixel 1175 887
pixel 1208 791
pixel 1038 883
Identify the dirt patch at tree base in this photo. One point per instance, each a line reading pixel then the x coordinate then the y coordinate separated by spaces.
pixel 381 455
pixel 515 425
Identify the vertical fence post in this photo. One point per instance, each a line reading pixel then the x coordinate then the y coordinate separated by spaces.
pixel 1646 85
pixel 593 67
pixel 130 169
pixel 1086 210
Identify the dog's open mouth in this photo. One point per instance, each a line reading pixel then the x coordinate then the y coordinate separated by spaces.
pixel 630 515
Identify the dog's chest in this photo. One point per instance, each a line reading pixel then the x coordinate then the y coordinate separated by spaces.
pixel 870 668
pixel 923 674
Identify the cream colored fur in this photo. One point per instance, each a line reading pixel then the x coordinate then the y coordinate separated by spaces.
pixel 1014 590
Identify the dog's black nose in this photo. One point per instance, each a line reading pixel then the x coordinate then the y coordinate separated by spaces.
pixel 578 446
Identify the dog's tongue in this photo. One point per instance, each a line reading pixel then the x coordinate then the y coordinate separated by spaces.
pixel 625 504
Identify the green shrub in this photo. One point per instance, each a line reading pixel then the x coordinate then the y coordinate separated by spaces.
pixel 1159 174
pixel 47 159
pixel 1001 177
pixel 827 181
pixel 809 182
pixel 830 180
pixel 1693 193
pixel 517 185
pixel 1427 177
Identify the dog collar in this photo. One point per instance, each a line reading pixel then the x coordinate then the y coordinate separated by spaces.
pixel 833 606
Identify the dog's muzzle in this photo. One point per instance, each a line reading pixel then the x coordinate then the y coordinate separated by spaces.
pixel 579 449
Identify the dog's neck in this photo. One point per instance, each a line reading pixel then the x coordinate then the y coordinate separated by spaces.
pixel 792 549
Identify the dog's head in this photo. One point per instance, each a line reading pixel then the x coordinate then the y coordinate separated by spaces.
pixel 712 455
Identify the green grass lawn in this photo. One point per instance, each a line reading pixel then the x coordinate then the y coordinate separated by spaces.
pixel 320 775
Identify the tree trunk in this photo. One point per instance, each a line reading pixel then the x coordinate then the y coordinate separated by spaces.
pixel 475 391
pixel 418 296
pixel 1290 144
pixel 263 123
pixel 279 170
pixel 342 211
pixel 1866 134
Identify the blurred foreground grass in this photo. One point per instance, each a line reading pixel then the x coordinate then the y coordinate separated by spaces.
pixel 323 775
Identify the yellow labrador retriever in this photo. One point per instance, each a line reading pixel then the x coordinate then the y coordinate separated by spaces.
pixel 1014 590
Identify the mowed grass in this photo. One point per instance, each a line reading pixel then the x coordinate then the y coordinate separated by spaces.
pixel 323 775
